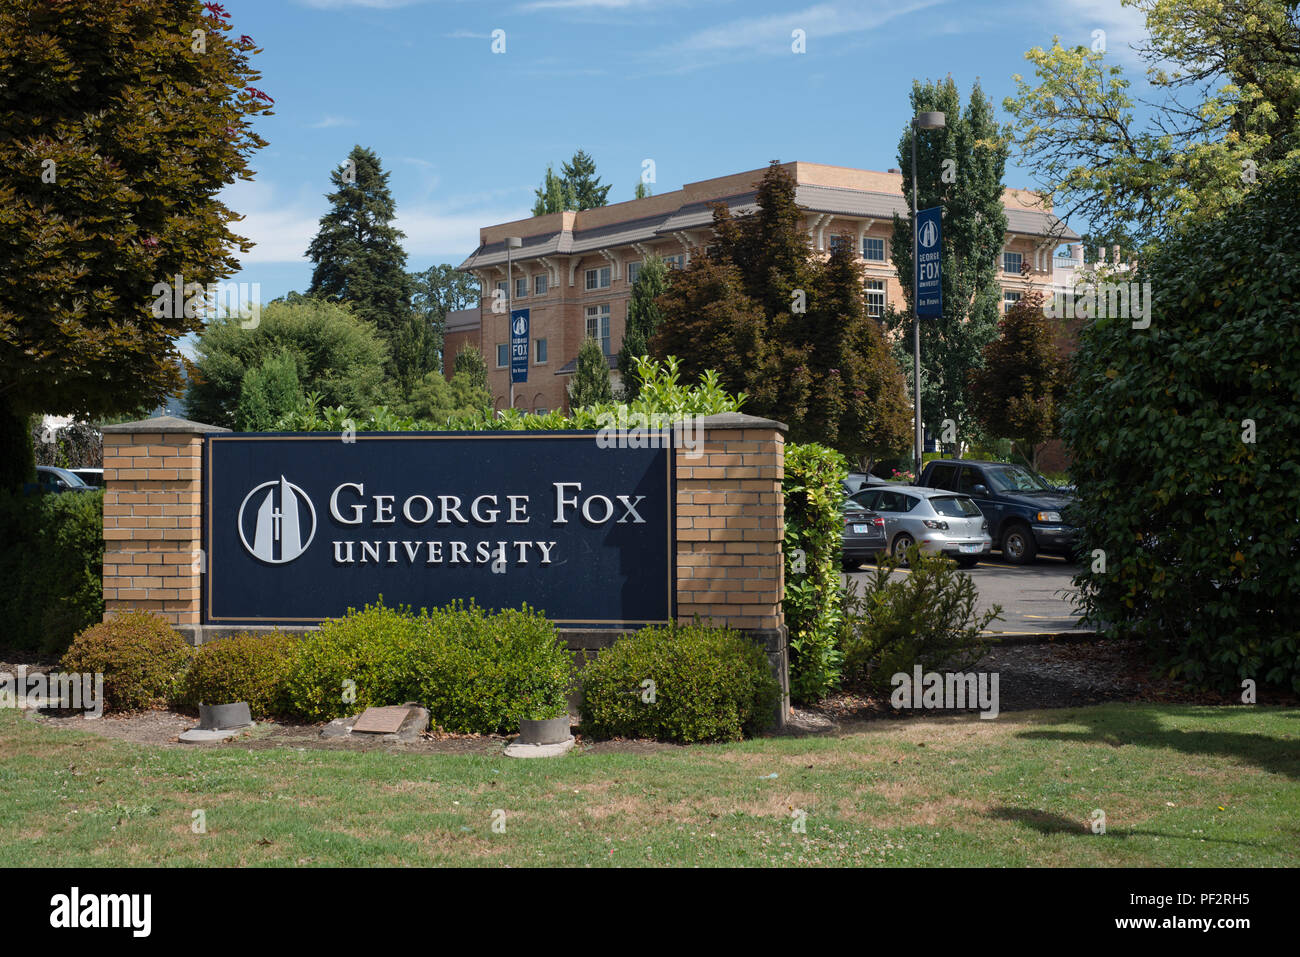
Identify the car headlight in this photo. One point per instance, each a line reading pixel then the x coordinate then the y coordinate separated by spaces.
pixel 1049 516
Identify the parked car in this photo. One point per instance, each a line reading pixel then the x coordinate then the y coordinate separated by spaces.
pixel 92 477
pixel 857 481
pixel 935 520
pixel 1026 512
pixel 864 534
pixel 50 478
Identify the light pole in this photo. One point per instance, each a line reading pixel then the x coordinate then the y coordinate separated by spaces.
pixel 512 242
pixel 922 121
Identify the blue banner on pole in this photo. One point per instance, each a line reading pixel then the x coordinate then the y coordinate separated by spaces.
pixel 519 345
pixel 929 246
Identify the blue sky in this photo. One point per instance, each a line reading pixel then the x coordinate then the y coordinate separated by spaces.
pixel 703 88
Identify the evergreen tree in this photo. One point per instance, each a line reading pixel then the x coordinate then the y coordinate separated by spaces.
pixel 554 195
pixel 582 182
pixel 357 251
pixel 470 361
pixel 643 318
pixel 591 379
pixel 268 391
pixel 974 230
pixel 643 189
pixel 1017 393
pixel 416 351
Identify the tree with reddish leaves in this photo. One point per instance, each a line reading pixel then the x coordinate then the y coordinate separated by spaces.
pixel 123 122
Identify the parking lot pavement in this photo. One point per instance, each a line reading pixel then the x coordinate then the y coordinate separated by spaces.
pixel 1035 599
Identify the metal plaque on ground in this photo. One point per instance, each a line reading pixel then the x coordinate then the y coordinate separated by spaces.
pixel 381 720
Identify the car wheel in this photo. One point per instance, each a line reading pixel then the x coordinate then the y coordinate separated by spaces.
pixel 901 544
pixel 1018 545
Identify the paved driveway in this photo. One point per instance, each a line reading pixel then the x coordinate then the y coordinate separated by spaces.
pixel 1035 599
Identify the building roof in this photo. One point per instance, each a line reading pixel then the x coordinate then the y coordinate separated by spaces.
pixel 461 319
pixel 570 367
pixel 698 213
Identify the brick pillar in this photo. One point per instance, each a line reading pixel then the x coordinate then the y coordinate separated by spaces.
pixel 152 527
pixel 730 525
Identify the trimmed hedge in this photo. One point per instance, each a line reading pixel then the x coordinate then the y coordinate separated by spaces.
pixel 475 671
pixel 51 568
pixel 246 667
pixel 139 655
pixel 709 684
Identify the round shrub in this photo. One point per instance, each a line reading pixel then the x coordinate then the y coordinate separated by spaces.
pixel 246 667
pixel 140 656
pixel 709 684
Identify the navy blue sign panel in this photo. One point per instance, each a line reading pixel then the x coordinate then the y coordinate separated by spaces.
pixel 929 246
pixel 301 527
pixel 519 345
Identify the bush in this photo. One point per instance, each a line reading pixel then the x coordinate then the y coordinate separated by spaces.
pixel 476 672
pixel 51 568
pixel 140 656
pixel 247 667
pixel 926 617
pixel 710 684
pixel 813 548
pixel 1182 436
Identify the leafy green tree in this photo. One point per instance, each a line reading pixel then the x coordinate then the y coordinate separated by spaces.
pixel 581 181
pixel 1228 76
pixel 267 392
pixel 334 353
pixel 122 124
pixel 434 399
pixel 555 195
pixel 1017 392
pixel 591 378
pixel 415 352
pixel 974 231
pixel 358 251
pixel 643 318
pixel 1183 437
pixel 471 362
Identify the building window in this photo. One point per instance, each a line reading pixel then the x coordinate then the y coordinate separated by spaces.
pixel 675 262
pixel 503 354
pixel 598 278
pixel 598 325
pixel 1009 299
pixel 876 298
pixel 521 287
pixel 1011 263
pixel 539 352
pixel 633 270
pixel 539 284
pixel 873 250
pixel 838 243
pixel 541 410
pixel 501 287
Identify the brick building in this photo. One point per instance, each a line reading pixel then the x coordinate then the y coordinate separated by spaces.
pixel 574 270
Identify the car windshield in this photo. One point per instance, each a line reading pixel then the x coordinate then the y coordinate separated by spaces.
pixel 1014 478
pixel 955 506
pixel 69 479
pixel 855 508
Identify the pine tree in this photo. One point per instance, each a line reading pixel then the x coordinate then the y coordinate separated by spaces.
pixel 581 180
pixel 591 379
pixel 974 230
pixel 357 251
pixel 643 318
pixel 643 189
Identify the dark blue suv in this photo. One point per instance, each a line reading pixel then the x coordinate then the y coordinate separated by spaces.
pixel 1024 510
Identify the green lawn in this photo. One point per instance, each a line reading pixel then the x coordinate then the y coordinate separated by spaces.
pixel 1178 784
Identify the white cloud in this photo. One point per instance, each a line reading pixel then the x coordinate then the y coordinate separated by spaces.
pixel 1125 27
pixel 371 4
pixel 772 34
pixel 329 122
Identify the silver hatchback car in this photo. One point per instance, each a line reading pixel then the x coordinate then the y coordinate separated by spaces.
pixel 936 520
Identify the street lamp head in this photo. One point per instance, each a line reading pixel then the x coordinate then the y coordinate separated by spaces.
pixel 930 121
pixel 514 242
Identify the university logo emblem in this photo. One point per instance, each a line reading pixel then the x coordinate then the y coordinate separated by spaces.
pixel 520 326
pixel 277 526
pixel 928 234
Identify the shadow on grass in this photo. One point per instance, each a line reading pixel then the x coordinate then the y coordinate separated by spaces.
pixel 1045 822
pixel 1141 727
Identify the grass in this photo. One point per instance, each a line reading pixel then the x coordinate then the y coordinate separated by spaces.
pixel 1180 785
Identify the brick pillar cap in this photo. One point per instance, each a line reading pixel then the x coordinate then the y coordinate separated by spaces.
pixel 161 424
pixel 738 420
